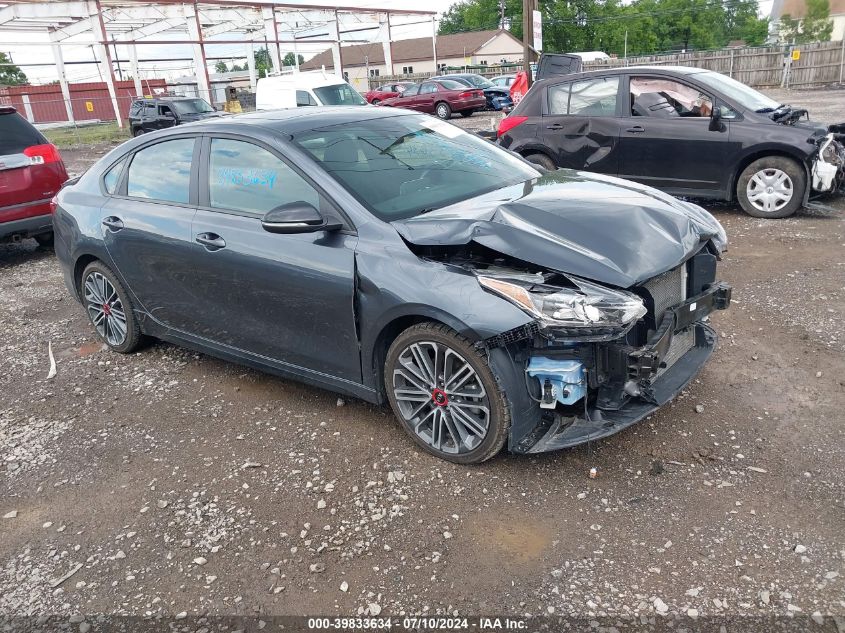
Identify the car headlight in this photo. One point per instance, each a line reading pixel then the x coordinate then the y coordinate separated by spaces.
pixel 587 312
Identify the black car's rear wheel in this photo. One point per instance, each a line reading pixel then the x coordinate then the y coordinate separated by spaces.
pixel 443 391
pixel 771 187
pixel 542 160
pixel 45 240
pixel 109 309
pixel 467 113
pixel 137 131
pixel 443 111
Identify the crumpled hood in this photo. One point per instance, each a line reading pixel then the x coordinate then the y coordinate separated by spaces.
pixel 598 227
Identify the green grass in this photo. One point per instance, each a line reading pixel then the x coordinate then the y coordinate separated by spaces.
pixel 74 137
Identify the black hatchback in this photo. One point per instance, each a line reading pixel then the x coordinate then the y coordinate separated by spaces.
pixel 687 131
pixel 148 115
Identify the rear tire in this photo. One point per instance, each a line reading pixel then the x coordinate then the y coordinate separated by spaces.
pixel 771 187
pixel 109 308
pixel 542 160
pixel 375 101
pixel 467 113
pixel 45 240
pixel 444 393
pixel 443 111
pixel 137 131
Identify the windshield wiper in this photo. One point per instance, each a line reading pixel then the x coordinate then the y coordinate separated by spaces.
pixel 766 110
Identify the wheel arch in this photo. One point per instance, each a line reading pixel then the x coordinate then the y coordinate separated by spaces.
pixel 79 266
pixel 394 325
pixel 763 153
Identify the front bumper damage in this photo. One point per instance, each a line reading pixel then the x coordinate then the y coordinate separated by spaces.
pixel 828 166
pixel 575 393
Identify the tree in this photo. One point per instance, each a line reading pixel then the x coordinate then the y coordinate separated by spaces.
pixel 10 75
pixel 815 27
pixel 651 25
pixel 263 65
pixel 289 60
pixel 221 67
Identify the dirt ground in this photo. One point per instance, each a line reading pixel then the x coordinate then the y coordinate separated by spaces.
pixel 174 483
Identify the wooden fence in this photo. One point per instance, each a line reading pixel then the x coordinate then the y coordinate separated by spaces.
pixel 819 64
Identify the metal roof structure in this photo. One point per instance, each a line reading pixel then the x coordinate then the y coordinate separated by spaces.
pixel 200 24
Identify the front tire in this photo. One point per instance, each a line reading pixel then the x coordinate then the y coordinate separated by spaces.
pixel 138 131
pixel 771 187
pixel 444 393
pixel 443 111
pixel 109 308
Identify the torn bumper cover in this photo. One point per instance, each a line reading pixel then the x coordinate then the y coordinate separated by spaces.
pixel 828 168
pixel 579 393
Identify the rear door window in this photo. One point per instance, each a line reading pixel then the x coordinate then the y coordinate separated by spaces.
pixel 162 171
pixel 428 88
pixel 594 97
pixel 305 98
pixel 16 134
pixel 245 177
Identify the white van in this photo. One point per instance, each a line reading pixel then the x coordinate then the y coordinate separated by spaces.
pixel 313 88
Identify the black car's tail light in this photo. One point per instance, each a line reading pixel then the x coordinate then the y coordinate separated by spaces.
pixel 510 122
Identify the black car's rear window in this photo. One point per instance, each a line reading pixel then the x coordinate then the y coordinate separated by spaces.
pixel 16 134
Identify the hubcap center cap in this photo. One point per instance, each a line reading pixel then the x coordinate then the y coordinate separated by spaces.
pixel 770 190
pixel 439 397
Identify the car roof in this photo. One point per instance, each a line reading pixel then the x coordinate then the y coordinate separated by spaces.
pixel 295 120
pixel 678 70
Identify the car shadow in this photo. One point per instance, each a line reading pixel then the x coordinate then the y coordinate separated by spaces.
pixel 16 253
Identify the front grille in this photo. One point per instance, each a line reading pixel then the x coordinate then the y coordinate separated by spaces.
pixel 667 290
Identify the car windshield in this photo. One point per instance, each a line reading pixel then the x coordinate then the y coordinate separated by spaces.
pixel 339 94
pixel 479 82
pixel 191 106
pixel 738 92
pixel 402 166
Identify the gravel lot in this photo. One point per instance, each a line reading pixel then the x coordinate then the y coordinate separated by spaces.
pixel 174 483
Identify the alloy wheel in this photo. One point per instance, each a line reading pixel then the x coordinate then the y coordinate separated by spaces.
pixel 443 111
pixel 105 309
pixel 769 190
pixel 441 397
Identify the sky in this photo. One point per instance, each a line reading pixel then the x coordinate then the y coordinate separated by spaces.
pixel 170 70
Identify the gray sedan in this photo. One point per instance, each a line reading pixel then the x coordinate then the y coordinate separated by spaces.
pixel 396 258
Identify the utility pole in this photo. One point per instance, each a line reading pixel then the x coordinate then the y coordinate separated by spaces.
pixel 527 5
pixel 502 14
pixel 528 8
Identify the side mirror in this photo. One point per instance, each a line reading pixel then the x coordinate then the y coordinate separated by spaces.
pixel 296 217
pixel 716 120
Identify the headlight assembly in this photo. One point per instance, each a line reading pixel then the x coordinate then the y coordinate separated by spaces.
pixel 588 312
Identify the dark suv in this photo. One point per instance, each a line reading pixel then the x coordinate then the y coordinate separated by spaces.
pixel 31 173
pixel 148 115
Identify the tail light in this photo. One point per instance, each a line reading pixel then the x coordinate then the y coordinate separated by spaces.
pixel 43 154
pixel 510 122
pixel 469 94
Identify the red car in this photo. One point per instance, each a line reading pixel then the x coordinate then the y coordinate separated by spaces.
pixel 31 173
pixel 441 97
pixel 387 91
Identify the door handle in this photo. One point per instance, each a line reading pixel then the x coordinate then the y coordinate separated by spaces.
pixel 554 126
pixel 113 223
pixel 211 241
pixel 637 129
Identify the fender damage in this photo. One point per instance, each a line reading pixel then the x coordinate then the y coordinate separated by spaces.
pixel 632 246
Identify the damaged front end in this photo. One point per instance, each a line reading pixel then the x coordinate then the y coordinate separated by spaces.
pixel 596 360
pixel 828 167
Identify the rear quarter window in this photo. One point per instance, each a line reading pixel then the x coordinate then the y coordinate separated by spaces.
pixel 16 134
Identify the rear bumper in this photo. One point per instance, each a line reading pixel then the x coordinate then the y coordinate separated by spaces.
pixel 25 220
